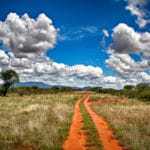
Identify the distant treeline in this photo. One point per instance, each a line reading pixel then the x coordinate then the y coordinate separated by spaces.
pixel 37 90
pixel 141 91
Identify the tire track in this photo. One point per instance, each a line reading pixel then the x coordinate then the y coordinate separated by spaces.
pixel 105 133
pixel 76 139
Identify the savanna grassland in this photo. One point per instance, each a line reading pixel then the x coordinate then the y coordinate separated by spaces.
pixel 35 121
pixel 129 119
pixel 43 121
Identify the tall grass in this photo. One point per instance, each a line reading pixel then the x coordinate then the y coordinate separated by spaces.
pixel 130 121
pixel 35 121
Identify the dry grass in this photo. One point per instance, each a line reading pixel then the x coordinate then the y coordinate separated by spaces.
pixel 130 121
pixel 35 121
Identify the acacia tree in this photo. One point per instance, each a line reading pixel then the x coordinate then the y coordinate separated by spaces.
pixel 9 77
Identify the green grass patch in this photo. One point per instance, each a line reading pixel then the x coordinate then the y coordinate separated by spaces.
pixel 92 141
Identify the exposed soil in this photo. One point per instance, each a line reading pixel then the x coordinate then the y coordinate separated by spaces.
pixel 76 139
pixel 105 133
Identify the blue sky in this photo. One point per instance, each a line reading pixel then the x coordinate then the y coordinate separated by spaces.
pixel 80 24
pixel 71 16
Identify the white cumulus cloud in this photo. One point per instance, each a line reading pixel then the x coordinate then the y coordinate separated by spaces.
pixel 125 65
pixel 127 40
pixel 27 36
pixel 43 70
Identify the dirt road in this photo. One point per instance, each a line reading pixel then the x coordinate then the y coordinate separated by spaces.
pixel 77 139
pixel 105 133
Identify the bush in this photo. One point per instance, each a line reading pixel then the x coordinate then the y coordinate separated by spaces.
pixel 141 91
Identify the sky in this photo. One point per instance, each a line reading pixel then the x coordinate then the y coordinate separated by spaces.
pixel 76 42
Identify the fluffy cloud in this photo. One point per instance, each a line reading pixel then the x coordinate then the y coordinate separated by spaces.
pixel 136 7
pixel 128 70
pixel 127 40
pixel 113 82
pixel 125 65
pixel 145 77
pixel 43 70
pixel 52 73
pixel 26 36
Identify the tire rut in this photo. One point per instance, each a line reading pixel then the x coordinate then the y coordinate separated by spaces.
pixel 105 133
pixel 76 139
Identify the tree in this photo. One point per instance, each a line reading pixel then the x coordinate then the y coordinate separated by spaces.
pixel 9 77
pixel 142 86
pixel 129 87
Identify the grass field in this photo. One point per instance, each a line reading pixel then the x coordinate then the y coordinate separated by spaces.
pixel 35 121
pixel 130 119
pixel 42 121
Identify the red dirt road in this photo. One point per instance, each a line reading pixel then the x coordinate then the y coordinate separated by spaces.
pixel 105 134
pixel 76 139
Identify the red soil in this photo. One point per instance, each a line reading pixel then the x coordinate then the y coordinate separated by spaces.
pixel 76 139
pixel 105 133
